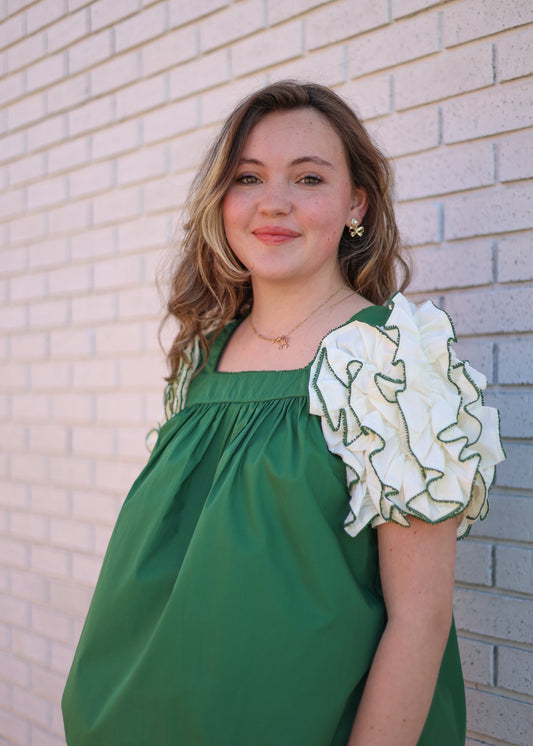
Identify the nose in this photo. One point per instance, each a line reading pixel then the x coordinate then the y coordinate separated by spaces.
pixel 275 199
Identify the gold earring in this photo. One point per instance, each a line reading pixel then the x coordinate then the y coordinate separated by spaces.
pixel 355 229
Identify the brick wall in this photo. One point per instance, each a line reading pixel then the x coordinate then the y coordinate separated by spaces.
pixel 106 109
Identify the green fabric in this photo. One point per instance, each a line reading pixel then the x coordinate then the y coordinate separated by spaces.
pixel 232 607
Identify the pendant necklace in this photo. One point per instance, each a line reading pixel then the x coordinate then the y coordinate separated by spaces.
pixel 283 340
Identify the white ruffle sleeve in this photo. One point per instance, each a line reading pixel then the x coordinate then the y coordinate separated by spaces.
pixel 407 418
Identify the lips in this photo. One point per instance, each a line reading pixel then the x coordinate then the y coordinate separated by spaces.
pixel 274 234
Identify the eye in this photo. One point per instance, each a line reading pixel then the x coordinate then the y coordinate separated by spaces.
pixel 247 179
pixel 311 179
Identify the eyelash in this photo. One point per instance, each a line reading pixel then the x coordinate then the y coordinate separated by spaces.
pixel 250 179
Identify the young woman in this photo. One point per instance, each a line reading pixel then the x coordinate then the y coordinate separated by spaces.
pixel 281 572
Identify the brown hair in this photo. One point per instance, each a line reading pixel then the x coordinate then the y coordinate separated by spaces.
pixel 210 286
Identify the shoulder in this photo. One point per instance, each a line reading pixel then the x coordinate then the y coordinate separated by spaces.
pixel 407 417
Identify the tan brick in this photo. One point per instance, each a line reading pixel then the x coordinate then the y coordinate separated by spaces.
pixel 71 343
pixel 118 72
pixel 49 191
pixel 447 74
pixel 93 243
pixel 119 408
pixel 144 233
pixel 29 585
pixel 143 164
pixel 452 169
pixel 344 20
pixel 326 66
pixel 92 179
pixel 369 96
pixel 116 139
pixel 31 646
pixel 202 73
pixel 26 169
pixel 46 133
pixel 468 20
pixel 514 669
pixel 49 313
pixel 42 14
pixel 267 48
pixel 30 346
pixel 66 31
pixel 96 307
pixel 95 507
pixel 499 717
pixel 70 598
pixel 170 50
pixel 66 533
pixel 147 94
pixel 46 71
pixel 70 217
pixel 119 339
pixel 418 223
pixel 515 157
pixel 89 51
pixel 49 500
pixel 477 659
pixel 73 91
pixel 140 27
pixel 68 155
pixel 230 24
pixel 510 351
pixel 11 87
pixel 513 55
pixel 181 13
pixel 169 121
pixel 29 109
pixel 11 30
pixel 50 561
pixel 394 45
pixel 92 115
pixel 497 211
pixel 474 563
pixel 105 13
pixel 28 704
pixel 116 205
pixel 514 568
pixel 85 568
pixel 407 132
pixel 49 438
pixel 70 279
pixel 501 109
pixel 72 408
pixel 25 52
pixel 406 7
pixel 14 669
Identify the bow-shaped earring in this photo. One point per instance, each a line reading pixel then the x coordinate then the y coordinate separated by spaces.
pixel 355 229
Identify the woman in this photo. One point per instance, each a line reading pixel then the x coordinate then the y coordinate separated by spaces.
pixel 281 572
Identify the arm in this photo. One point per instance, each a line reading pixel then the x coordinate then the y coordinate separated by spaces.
pixel 417 574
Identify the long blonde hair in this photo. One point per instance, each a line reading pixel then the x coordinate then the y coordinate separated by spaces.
pixel 210 286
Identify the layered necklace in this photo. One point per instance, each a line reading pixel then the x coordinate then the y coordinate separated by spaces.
pixel 283 339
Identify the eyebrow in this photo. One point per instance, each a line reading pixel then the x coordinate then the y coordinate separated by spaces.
pixel 296 162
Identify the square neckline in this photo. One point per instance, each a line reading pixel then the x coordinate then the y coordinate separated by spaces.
pixel 223 338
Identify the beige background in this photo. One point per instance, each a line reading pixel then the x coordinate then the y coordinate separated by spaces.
pixel 107 107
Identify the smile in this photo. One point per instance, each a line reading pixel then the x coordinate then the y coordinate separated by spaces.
pixel 273 234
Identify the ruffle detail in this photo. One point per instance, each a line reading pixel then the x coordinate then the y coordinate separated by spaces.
pixel 407 418
pixel 176 391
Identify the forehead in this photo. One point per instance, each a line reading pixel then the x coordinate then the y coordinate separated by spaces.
pixel 296 132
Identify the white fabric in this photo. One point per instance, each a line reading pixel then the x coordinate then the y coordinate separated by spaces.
pixel 407 418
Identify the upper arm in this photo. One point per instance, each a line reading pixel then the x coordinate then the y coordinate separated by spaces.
pixel 417 565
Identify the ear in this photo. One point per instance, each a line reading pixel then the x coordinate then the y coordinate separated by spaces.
pixel 359 204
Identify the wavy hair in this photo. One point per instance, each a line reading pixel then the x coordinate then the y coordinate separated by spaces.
pixel 210 286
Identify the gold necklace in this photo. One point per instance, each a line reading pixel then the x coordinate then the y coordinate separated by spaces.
pixel 283 340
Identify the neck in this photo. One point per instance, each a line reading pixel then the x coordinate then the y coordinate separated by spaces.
pixel 277 308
